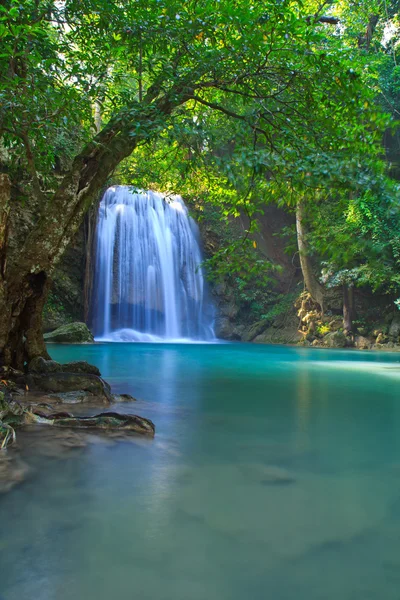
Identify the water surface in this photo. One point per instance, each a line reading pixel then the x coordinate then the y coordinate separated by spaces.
pixel 275 473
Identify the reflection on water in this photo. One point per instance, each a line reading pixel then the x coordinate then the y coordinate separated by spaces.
pixel 274 473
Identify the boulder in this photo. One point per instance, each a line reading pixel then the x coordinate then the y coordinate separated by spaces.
pixel 335 339
pixel 41 365
pixel 224 329
pixel 394 329
pixel 74 333
pixel 362 343
pixel 80 366
pixel 60 383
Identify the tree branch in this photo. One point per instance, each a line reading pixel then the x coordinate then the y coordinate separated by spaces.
pixel 229 113
pixel 32 167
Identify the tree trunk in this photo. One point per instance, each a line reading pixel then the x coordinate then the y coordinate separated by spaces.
pixel 24 280
pixel 348 308
pixel 311 282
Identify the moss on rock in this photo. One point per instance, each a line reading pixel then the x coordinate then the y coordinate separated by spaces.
pixel 73 333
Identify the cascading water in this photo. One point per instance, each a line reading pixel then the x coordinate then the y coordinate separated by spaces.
pixel 148 283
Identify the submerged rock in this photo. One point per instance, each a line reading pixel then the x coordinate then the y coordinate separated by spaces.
pixel 267 474
pixel 106 420
pixel 123 398
pixel 72 333
pixel 12 471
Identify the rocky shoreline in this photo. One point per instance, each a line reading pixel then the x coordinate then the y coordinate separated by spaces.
pixel 48 395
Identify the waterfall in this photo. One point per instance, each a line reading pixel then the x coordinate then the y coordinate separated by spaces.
pixel 148 282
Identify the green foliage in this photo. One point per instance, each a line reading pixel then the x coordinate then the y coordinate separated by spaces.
pixel 322 329
pixel 231 104
pixel 281 304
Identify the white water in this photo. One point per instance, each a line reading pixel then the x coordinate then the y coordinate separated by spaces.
pixel 148 283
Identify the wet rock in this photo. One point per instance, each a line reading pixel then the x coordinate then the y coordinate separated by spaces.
pixel 103 421
pixel 40 365
pixel 61 383
pixel 336 339
pixel 123 398
pixel 77 397
pixel 362 343
pixel 80 366
pixel 72 333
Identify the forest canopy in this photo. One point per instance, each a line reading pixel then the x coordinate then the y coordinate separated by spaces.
pixel 232 103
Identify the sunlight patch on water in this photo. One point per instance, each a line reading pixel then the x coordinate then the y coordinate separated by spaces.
pixel 372 368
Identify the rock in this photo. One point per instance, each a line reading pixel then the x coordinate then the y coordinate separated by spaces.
pixel 336 339
pixel 224 329
pixel 77 397
pixel 335 324
pixel 381 329
pixel 282 335
pixel 381 338
pixel 105 420
pixel 123 398
pixel 238 332
pixel 254 330
pixel 220 289
pixel 70 382
pixel 362 343
pixel 394 329
pixel 73 333
pixel 229 310
pixel 80 366
pixel 40 365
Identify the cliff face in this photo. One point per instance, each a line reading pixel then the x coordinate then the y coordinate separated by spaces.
pixel 246 308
